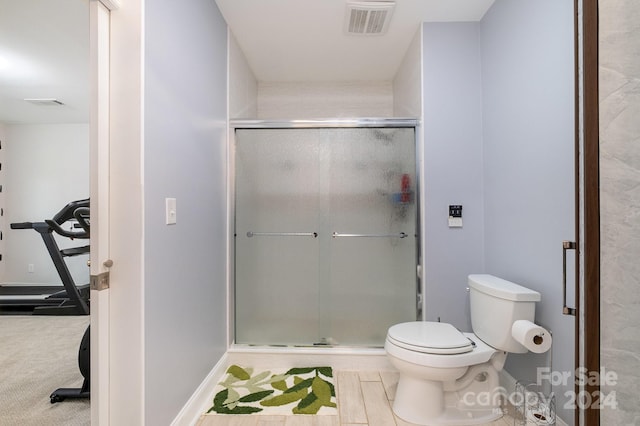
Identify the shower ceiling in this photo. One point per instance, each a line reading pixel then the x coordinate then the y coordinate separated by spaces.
pixel 304 40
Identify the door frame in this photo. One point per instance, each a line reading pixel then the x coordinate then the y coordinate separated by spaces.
pixel 588 345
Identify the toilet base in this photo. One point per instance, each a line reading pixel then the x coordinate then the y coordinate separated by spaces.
pixel 423 402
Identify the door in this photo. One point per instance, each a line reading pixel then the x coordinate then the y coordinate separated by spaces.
pixel 99 193
pixel 325 234
pixel 277 244
pixel 370 274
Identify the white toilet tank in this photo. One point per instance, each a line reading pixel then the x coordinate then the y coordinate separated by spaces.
pixel 495 305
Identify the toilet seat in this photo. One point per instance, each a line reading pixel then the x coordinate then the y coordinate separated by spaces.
pixel 480 353
pixel 429 338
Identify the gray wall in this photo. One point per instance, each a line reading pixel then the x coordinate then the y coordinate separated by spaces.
pixel 453 167
pixel 619 206
pixel 185 97
pixel 528 145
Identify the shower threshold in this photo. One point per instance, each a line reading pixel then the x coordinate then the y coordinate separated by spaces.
pixel 339 357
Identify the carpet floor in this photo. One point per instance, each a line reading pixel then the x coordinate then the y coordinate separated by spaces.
pixel 39 354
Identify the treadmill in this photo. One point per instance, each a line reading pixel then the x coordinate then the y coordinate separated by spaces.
pixel 68 299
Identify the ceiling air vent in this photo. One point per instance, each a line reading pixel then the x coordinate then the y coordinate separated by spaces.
pixel 368 17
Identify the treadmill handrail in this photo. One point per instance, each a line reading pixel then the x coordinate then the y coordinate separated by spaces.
pixel 82 216
pixel 67 212
pixel 22 225
pixel 69 234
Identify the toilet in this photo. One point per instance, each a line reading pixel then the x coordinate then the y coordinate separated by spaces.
pixel 448 377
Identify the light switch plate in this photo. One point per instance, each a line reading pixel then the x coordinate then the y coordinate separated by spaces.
pixel 170 211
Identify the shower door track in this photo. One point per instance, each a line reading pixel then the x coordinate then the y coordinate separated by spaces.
pixel 324 123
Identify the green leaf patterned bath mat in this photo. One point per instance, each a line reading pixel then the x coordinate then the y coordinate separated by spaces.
pixel 297 391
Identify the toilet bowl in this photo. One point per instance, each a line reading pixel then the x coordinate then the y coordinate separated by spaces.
pixel 448 377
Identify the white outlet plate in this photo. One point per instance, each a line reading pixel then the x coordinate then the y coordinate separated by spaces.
pixel 455 222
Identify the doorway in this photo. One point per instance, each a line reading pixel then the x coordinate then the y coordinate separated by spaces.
pixel 44 164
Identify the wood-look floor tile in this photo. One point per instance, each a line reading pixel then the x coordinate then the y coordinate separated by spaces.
pixel 499 422
pixel 508 420
pixel 369 376
pixel 390 383
pixel 229 420
pixel 376 403
pixel 401 422
pixel 270 420
pixel 350 403
pixel 328 421
pixel 302 420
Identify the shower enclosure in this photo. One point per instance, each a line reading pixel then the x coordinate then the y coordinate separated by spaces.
pixel 326 231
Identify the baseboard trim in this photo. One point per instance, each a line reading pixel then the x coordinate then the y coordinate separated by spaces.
pixel 201 398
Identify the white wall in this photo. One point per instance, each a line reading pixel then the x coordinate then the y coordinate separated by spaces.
pixel 619 206
pixel 185 127
pixel 298 100
pixel 45 166
pixel 243 86
pixel 452 166
pixel 407 83
pixel 528 148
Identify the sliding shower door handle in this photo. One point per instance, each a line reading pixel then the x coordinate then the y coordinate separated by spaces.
pixel 252 234
pixel 399 235
pixel 566 245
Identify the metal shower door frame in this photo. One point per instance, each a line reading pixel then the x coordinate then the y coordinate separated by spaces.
pixel 241 124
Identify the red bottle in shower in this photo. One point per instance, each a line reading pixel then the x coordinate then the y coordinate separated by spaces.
pixel 405 188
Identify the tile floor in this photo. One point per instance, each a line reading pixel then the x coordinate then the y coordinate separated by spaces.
pixel 364 398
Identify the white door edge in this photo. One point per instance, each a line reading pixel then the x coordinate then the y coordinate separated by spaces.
pixel 99 193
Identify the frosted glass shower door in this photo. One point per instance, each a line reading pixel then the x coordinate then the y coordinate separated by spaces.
pixel 276 221
pixel 325 223
pixel 370 188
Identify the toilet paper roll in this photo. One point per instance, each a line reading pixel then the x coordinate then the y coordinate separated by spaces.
pixel 531 336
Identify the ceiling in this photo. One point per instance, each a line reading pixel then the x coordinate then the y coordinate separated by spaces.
pixel 44 47
pixel 304 40
pixel 44 53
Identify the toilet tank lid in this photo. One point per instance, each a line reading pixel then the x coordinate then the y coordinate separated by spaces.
pixel 503 289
